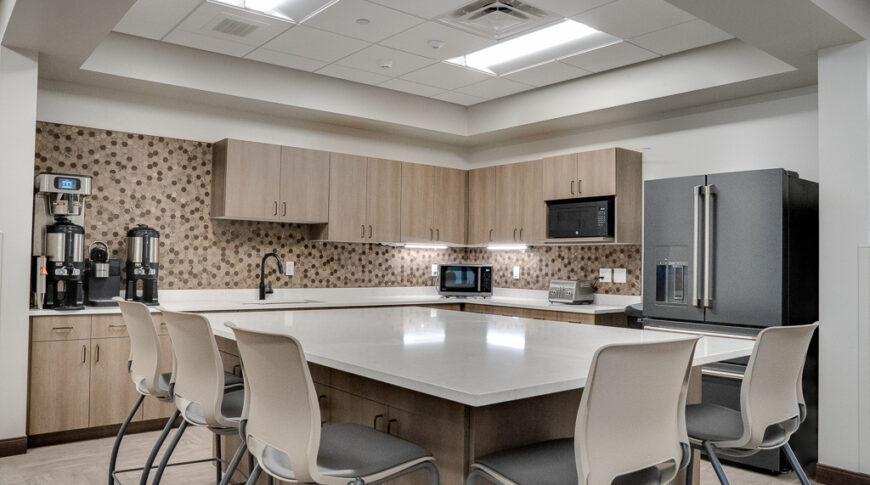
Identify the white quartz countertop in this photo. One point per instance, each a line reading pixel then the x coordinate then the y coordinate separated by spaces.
pixel 474 359
pixel 297 299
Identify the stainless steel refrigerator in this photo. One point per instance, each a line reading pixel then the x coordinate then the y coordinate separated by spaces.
pixel 735 253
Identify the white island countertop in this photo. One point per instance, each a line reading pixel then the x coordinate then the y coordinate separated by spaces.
pixel 470 358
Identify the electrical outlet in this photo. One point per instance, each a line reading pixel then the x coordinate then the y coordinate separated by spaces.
pixel 516 272
pixel 605 275
pixel 619 275
pixel 289 268
pixel 434 270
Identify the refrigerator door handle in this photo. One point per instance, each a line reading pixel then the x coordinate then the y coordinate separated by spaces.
pixel 709 192
pixel 696 236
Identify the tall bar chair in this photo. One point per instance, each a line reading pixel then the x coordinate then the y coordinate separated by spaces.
pixel 772 405
pixel 630 426
pixel 201 395
pixel 283 430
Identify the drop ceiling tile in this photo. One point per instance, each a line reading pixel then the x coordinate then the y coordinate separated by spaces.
pixel 286 60
pixel 549 73
pixel 351 74
pixel 341 18
pixel 688 35
pixel 446 76
pixel 206 43
pixel 494 88
pixel 370 59
pixel 154 19
pixel 315 44
pixel 209 16
pixel 456 42
pixel 409 87
pixel 610 57
pixel 567 8
pixel 458 98
pixel 424 8
pixel 631 18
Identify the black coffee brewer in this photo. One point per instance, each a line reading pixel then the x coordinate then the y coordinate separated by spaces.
pixel 64 267
pixel 142 265
pixel 103 280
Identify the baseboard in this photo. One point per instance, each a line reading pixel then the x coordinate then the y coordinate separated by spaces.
pixel 92 433
pixel 829 475
pixel 13 446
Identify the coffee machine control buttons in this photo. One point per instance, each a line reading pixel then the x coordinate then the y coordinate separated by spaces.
pixel 61 271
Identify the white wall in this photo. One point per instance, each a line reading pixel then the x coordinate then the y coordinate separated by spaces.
pixel 18 73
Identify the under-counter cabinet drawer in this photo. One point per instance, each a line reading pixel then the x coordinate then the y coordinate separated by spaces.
pixel 106 326
pixel 59 386
pixel 44 329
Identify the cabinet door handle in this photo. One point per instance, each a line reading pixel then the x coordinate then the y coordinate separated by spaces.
pixel 275 209
pixel 438 234
pixel 515 234
pixel 362 231
pixel 390 425
pixel 60 328
pixel 284 208
pixel 117 325
pixel 97 355
pixel 521 234
pixel 431 234
pixel 375 421
pixel 84 353
pixel 370 231
pixel 579 187
pixel 572 187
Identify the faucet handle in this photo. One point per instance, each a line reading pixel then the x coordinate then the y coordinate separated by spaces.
pixel 269 289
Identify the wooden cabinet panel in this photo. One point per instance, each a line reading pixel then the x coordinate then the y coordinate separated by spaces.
pixel 59 386
pixel 112 390
pixel 596 173
pixel 347 197
pixel 481 205
pixel 533 210
pixel 304 185
pixel 560 177
pixel 383 201
pixel 348 408
pixel 45 329
pixel 246 181
pixel 450 205
pixel 104 326
pixel 520 210
pixel 444 439
pixel 152 408
pixel 418 198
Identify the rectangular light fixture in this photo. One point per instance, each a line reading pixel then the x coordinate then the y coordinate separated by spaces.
pixel 293 10
pixel 425 246
pixel 562 39
pixel 507 247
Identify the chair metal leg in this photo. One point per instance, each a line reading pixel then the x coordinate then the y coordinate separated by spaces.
pixel 234 463
pixel 255 474
pixel 478 473
pixel 714 460
pixel 690 468
pixel 218 465
pixel 143 480
pixel 117 446
pixel 798 469
pixel 171 448
pixel 434 475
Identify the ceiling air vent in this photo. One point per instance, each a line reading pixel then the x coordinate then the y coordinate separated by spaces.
pixel 497 19
pixel 234 27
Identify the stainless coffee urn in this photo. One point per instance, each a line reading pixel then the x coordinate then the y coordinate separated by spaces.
pixel 142 264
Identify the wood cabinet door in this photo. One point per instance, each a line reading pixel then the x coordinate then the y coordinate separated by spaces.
pixel 450 205
pixel 252 180
pixel 444 439
pixel 383 201
pixel 560 177
pixel 304 185
pixel 152 408
pixel 348 408
pixel 510 187
pixel 112 391
pixel 418 199
pixel 596 173
pixel 59 386
pixel 347 197
pixel 532 210
pixel 481 205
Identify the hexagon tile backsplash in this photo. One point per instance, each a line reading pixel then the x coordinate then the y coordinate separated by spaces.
pixel 166 183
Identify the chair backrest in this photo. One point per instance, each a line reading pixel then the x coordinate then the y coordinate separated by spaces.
pixel 144 347
pixel 632 413
pixel 771 393
pixel 281 406
pixel 199 374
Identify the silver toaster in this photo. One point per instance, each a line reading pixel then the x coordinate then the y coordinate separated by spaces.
pixel 572 292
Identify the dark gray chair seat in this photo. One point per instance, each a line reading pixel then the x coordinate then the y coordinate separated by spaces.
pixel 712 422
pixel 350 451
pixel 231 407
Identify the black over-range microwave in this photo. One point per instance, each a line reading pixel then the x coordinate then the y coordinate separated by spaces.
pixel 580 218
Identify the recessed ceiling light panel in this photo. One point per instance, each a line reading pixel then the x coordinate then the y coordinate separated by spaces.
pixel 292 10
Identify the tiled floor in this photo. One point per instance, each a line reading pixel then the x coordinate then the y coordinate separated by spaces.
pixel 85 463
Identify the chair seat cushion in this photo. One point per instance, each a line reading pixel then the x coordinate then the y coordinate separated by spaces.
pixel 546 463
pixel 231 379
pixel 712 422
pixel 350 451
pixel 231 407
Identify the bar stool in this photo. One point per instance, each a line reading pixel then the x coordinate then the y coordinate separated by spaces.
pixel 283 431
pixel 144 369
pixel 772 405
pixel 200 393
pixel 630 427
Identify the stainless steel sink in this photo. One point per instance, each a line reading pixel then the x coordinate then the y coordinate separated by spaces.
pixel 281 302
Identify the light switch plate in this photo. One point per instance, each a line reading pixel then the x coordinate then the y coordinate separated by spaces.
pixel 434 270
pixel 605 275
pixel 289 268
pixel 619 275
pixel 516 272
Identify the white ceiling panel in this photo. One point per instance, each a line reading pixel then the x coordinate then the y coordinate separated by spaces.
pixel 631 18
pixel 413 88
pixel 210 16
pixel 549 73
pixel 494 88
pixel 688 35
pixel 610 57
pixel 446 76
pixel 424 8
pixel 371 58
pixel 351 74
pixel 341 18
pixel 458 98
pixel 286 60
pixel 315 44
pixel 455 42
pixel 206 43
pixel 567 8
pixel 153 19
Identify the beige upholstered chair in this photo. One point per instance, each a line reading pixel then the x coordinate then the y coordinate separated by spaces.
pixel 630 426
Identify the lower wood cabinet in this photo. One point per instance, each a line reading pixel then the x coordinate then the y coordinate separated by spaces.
pixel 112 392
pixel 59 386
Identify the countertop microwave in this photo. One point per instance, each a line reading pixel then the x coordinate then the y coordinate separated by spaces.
pixel 580 218
pixel 465 280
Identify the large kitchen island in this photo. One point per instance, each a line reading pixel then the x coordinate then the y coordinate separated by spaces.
pixel 460 384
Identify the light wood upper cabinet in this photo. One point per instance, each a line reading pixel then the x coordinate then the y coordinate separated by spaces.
pixel 59 386
pixel 587 174
pixel 433 204
pixel 506 204
pixel 304 185
pixel 481 205
pixel 112 391
pixel 383 200
pixel 560 177
pixel 451 193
